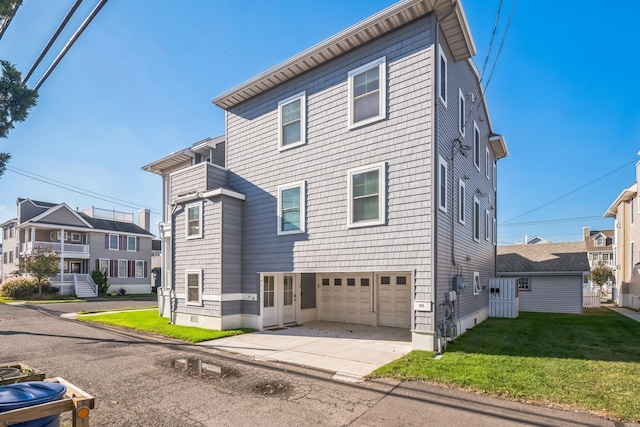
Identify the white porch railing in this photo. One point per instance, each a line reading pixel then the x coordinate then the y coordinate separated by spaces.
pixel 57 247
pixel 591 298
pixel 608 263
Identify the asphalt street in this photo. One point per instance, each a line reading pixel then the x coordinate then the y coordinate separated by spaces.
pixel 136 382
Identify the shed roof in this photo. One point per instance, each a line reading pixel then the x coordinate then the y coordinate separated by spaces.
pixel 543 258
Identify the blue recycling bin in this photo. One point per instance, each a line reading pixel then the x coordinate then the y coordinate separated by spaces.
pixel 22 395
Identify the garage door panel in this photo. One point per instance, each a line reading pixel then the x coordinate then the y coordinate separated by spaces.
pixel 394 300
pixel 344 298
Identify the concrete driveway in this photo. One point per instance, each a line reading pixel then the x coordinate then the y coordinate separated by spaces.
pixel 350 351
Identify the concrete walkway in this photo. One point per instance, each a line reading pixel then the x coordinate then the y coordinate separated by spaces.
pixel 635 315
pixel 351 351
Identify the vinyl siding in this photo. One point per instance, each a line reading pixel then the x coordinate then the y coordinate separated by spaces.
pixel 403 140
pixel 553 294
pixel 98 250
pixel 456 249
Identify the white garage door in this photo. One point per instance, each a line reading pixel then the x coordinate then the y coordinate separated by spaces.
pixel 345 298
pixel 394 300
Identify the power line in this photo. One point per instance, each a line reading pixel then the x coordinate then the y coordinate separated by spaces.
pixel 53 38
pixel 572 191
pixel 504 36
pixel 70 43
pixel 70 187
pixel 552 221
pixel 493 35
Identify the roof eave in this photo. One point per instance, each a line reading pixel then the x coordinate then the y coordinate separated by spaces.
pixel 168 161
pixel 454 26
pixel 625 195
pixel 498 145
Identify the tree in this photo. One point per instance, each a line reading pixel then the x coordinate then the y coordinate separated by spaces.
pixel 16 99
pixel 601 274
pixel 43 263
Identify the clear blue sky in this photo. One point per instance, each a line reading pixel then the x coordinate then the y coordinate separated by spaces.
pixel 137 85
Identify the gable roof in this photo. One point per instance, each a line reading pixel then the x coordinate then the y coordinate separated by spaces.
pixel 626 194
pixel 608 236
pixel 449 13
pixel 543 258
pixel 116 226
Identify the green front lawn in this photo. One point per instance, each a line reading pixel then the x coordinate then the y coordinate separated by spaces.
pixel 42 300
pixel 150 321
pixel 589 362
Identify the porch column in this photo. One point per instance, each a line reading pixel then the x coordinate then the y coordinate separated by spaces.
pixel 62 255
pixel 33 237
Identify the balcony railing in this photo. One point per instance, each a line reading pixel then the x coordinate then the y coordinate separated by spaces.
pixel 608 263
pixel 56 247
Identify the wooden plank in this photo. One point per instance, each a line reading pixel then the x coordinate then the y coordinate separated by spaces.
pixel 36 411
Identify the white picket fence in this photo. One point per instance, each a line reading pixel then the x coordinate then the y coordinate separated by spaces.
pixel 591 298
pixel 503 298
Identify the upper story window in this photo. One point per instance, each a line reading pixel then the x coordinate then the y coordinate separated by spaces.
pixel 495 175
pixel 461 112
pixel 443 173
pixel 599 241
pixel 194 220
pixel 487 226
pixel 113 242
pixel 495 232
pixel 476 220
pixel 291 208
pixel 367 195
pixel 476 145
pixel 76 237
pixel 631 206
pixel 462 204
pixel 367 93
pixel 442 77
pixel 131 243
pixel 291 121
pixel 487 163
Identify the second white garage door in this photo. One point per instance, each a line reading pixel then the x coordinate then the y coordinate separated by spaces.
pixel 394 300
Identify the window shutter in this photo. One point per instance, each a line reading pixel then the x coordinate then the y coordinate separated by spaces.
pixel 112 268
pixel 123 243
pixel 132 269
pixel 106 241
pixel 144 265
pixel 137 244
pixel 97 264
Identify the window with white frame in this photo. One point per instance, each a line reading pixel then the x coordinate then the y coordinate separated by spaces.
pixel 139 269
pixel 476 220
pixel 442 77
pixel 193 287
pixel 595 257
pixel 291 208
pixel 194 220
pixel 367 93
pixel 443 178
pixel 476 283
pixel 76 237
pixel 487 226
pixel 495 232
pixel 367 195
pixel 476 145
pixel 291 121
pixel 633 271
pixel 599 241
pixel 131 243
pixel 487 158
pixel 113 242
pixel 631 207
pixel 103 265
pixel 524 283
pixel 269 292
pixel 122 268
pixel 462 204
pixel 461 112
pixel 495 176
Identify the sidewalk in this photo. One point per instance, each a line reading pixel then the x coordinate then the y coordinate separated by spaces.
pixel 635 315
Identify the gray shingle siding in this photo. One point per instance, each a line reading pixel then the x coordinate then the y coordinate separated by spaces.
pixel 456 248
pixel 231 245
pixel 403 141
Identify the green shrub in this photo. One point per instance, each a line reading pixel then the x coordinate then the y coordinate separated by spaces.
pixel 101 280
pixel 19 287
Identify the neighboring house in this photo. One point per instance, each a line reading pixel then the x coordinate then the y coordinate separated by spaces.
pixel 626 248
pixel 85 241
pixel 10 251
pixel 550 275
pixel 536 240
pixel 358 185
pixel 600 245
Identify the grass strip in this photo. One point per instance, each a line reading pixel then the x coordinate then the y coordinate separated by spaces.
pixel 150 321
pixel 588 362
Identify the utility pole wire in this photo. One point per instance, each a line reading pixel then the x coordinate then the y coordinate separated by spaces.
pixel 70 43
pixel 571 192
pixel 53 38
